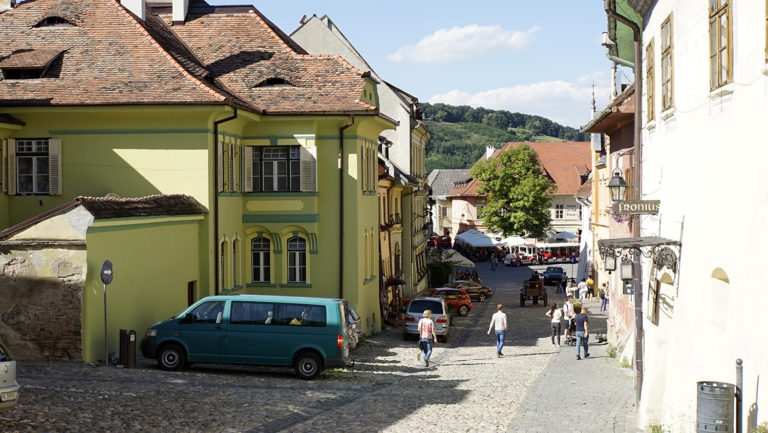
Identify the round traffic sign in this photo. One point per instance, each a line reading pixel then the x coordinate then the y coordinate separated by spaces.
pixel 106 272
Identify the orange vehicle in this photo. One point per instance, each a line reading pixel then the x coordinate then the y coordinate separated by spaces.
pixel 457 299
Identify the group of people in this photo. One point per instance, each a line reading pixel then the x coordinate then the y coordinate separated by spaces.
pixel 576 322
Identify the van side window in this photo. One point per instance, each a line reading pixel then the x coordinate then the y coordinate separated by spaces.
pixel 300 315
pixel 209 312
pixel 252 313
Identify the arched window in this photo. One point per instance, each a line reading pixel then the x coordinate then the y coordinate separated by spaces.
pixel 222 266
pixel 297 260
pixel 260 260
pixel 398 261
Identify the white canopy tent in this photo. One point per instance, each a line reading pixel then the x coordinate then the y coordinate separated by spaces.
pixel 478 239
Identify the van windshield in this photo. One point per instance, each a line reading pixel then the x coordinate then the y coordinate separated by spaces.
pixel 419 305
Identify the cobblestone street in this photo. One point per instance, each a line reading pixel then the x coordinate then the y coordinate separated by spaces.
pixel 465 389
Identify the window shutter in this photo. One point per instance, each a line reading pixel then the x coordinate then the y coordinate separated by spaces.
pixel 220 166
pixel 10 167
pixel 4 164
pixel 308 169
pixel 246 170
pixel 231 168
pixel 54 166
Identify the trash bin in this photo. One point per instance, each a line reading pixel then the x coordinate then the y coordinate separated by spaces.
pixel 714 406
pixel 128 348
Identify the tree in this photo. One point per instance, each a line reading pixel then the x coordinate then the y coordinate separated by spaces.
pixel 516 192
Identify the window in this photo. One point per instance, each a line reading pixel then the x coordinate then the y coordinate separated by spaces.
pixel 222 266
pixel 398 260
pixel 208 312
pixel 260 260
pixel 279 169
pixel 297 260
pixel 667 65
pixel 650 84
pixel 559 211
pixel 252 313
pixel 300 315
pixel 720 51
pixel 235 246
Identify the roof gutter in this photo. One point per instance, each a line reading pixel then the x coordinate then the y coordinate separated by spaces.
pixel 638 190
pixel 217 270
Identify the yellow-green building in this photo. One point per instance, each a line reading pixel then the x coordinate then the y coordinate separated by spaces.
pixel 277 146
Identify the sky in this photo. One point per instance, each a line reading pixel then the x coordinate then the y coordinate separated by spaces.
pixel 534 57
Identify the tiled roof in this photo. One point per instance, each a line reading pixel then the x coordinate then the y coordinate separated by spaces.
pixel 250 57
pixel 442 180
pixel 564 162
pixel 109 59
pixel 220 55
pixel 154 205
pixel 115 207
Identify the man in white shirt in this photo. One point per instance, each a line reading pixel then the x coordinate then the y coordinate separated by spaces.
pixel 567 315
pixel 499 323
pixel 583 290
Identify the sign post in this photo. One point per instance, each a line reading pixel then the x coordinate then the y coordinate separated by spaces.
pixel 106 278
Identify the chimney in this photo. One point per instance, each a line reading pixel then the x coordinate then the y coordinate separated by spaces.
pixel 6 4
pixel 137 7
pixel 489 152
pixel 180 8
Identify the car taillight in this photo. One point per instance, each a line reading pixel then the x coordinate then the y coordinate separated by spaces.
pixel 409 318
pixel 442 319
pixel 340 340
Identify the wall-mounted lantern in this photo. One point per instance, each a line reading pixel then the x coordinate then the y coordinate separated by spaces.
pixel 618 186
pixel 627 270
pixel 610 263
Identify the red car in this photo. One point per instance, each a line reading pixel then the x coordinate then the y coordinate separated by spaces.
pixel 457 299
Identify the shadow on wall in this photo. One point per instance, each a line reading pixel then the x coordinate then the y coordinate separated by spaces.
pixel 40 318
pixel 752 415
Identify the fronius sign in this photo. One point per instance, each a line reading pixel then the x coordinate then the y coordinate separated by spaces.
pixel 634 207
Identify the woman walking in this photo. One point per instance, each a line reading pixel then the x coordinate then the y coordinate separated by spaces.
pixel 555 314
pixel 499 323
pixel 427 335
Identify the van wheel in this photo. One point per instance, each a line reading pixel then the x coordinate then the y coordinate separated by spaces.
pixel 463 310
pixel 308 365
pixel 171 357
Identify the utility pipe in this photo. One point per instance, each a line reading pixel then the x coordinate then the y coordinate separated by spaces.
pixel 637 182
pixel 341 204
pixel 217 252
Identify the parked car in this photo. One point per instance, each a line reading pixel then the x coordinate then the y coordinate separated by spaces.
pixel 555 275
pixel 458 300
pixel 475 290
pixel 9 388
pixel 306 333
pixel 440 315
pixel 355 326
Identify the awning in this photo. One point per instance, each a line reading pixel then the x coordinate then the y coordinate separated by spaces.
pixel 477 239
pixel 451 257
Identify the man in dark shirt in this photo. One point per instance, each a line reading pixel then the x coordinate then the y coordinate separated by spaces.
pixel 582 331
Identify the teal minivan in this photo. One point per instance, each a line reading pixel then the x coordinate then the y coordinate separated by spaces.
pixel 309 334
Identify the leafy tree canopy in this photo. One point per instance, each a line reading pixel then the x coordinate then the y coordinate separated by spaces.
pixel 517 192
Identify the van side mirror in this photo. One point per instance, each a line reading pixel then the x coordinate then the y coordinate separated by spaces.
pixel 189 318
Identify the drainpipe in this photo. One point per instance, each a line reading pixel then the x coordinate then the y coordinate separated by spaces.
pixel 638 190
pixel 341 204
pixel 217 260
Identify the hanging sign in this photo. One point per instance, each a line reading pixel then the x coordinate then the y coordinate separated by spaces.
pixel 636 207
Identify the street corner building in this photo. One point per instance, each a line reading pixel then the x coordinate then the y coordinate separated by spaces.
pixel 254 163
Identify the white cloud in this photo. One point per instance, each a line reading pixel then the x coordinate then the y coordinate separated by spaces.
pixel 461 43
pixel 565 102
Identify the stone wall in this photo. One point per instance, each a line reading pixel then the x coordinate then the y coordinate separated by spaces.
pixel 41 302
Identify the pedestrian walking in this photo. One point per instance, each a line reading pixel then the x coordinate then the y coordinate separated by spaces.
pixel 604 297
pixel 499 323
pixel 568 315
pixel 555 314
pixel 494 262
pixel 570 290
pixel 583 290
pixel 427 335
pixel 590 288
pixel 582 331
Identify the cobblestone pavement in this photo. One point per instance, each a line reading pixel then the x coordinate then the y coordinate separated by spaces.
pixel 465 389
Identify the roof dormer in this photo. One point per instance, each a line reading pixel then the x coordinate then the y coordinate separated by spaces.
pixel 28 63
pixel 54 21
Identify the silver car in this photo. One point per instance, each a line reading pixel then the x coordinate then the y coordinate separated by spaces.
pixel 9 389
pixel 440 315
pixel 355 325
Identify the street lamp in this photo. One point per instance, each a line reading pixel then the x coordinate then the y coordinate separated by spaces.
pixel 618 186
pixel 627 270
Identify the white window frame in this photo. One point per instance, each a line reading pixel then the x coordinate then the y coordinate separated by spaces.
pixel 11 158
pixel 299 258
pixel 263 265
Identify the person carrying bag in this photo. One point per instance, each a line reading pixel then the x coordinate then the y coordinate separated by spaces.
pixel 426 336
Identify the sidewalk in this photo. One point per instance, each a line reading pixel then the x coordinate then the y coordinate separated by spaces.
pixel 594 395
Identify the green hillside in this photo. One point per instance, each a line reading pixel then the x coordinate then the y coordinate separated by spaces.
pixel 460 134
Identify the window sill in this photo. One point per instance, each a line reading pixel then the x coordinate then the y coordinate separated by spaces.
pixel 261 285
pixel 295 285
pixel 721 92
pixel 280 193
pixel 650 126
pixel 668 115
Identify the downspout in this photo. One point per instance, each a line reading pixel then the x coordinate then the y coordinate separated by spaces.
pixel 341 204
pixel 638 190
pixel 217 259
